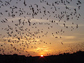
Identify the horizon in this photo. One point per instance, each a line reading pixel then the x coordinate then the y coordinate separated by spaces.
pixel 46 55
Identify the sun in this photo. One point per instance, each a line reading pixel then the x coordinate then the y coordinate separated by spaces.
pixel 41 56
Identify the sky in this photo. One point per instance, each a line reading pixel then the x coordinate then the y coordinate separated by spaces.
pixel 41 27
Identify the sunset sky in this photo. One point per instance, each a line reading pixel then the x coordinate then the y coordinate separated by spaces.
pixel 43 33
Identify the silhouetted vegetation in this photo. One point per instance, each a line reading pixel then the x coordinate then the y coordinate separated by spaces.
pixel 77 57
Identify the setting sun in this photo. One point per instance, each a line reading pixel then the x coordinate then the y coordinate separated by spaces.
pixel 41 55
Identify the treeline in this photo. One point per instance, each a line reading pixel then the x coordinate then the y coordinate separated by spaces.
pixel 77 57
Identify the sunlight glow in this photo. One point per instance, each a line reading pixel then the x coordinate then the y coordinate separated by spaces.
pixel 41 55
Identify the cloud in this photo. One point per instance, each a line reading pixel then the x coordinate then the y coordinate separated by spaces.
pixel 67 6
pixel 81 25
pixel 26 19
pixel 44 48
pixel 39 20
pixel 68 37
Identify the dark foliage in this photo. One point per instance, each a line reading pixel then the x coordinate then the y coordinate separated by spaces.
pixel 77 57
